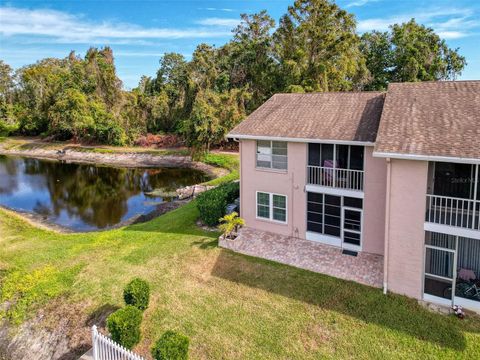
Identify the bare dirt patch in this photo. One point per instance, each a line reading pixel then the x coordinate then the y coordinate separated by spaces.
pixel 59 331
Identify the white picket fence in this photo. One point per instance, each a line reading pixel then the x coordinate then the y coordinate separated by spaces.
pixel 105 348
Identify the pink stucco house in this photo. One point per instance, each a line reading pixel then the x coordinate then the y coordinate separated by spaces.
pixel 377 187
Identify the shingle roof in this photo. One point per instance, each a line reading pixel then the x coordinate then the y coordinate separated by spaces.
pixel 431 119
pixel 352 116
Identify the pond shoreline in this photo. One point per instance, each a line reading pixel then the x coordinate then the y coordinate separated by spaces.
pixel 116 158
pixel 43 223
pixel 120 158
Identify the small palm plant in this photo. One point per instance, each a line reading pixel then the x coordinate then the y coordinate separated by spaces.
pixel 230 224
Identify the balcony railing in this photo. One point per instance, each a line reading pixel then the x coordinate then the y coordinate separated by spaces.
pixel 444 210
pixel 337 178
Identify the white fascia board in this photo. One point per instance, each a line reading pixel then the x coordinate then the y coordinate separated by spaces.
pixel 300 140
pixel 426 158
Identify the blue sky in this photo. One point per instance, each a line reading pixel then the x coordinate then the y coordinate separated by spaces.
pixel 141 31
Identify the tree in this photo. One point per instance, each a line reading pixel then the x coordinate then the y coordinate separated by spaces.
pixel 325 52
pixel 100 70
pixel 420 55
pixel 212 116
pixel 70 115
pixel 6 81
pixel 203 67
pixel 173 79
pixel 202 127
pixel 409 52
pixel 289 56
pixel 252 65
pixel 377 49
pixel 8 113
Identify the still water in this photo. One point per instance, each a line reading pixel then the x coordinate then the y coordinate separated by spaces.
pixel 86 197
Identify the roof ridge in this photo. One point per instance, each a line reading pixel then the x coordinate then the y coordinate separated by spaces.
pixel 334 92
pixel 433 82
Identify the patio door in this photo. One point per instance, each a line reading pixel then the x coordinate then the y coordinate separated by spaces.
pixel 352 228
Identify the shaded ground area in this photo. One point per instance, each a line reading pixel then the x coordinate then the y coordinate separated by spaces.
pixel 230 305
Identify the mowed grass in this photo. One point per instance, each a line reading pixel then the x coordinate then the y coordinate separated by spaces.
pixel 230 305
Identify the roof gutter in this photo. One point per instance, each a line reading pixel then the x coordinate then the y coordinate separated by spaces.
pixel 426 157
pixel 300 140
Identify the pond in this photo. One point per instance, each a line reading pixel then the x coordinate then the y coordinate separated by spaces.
pixel 87 197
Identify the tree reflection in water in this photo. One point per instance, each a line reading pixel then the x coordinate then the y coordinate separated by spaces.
pixel 85 197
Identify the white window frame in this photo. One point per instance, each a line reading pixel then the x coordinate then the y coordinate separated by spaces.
pixel 269 154
pixel 270 207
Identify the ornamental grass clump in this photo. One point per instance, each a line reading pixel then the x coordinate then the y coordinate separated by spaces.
pixel 171 346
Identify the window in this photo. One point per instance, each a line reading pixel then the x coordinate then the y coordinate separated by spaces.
pixel 272 206
pixel 272 154
pixel 336 156
pixel 455 180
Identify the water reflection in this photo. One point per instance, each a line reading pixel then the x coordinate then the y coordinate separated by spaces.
pixel 85 197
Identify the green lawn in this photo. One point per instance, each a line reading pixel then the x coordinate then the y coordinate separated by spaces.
pixel 230 305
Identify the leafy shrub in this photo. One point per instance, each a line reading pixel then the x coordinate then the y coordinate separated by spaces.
pixel 171 346
pixel 124 326
pixel 212 204
pixel 137 293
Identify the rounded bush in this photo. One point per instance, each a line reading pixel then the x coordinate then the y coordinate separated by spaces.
pixel 137 293
pixel 171 346
pixel 124 326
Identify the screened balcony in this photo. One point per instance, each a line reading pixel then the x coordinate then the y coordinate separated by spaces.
pixel 453 195
pixel 336 166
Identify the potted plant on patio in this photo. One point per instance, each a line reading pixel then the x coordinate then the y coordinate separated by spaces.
pixel 230 224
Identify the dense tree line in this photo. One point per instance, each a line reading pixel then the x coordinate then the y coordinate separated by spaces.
pixel 315 47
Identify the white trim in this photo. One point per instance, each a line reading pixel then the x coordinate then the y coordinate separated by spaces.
pixel 437 300
pixel 452 230
pixel 300 140
pixel 324 239
pixel 426 157
pixel 467 303
pixel 342 231
pixel 334 191
pixel 271 208
pixel 271 170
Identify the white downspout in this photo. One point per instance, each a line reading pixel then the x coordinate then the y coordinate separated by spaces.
pixel 387 227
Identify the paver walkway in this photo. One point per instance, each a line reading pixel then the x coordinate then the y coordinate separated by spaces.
pixel 364 268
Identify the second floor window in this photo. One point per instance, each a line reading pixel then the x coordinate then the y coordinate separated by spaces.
pixel 336 156
pixel 272 154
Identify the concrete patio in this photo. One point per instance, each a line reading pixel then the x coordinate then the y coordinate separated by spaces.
pixel 364 268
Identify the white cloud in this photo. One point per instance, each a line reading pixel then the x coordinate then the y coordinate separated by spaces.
pixel 64 27
pixel 219 9
pixel 449 23
pixel 359 3
pixel 219 22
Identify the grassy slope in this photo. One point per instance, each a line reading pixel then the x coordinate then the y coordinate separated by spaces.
pixel 230 305
pixel 226 161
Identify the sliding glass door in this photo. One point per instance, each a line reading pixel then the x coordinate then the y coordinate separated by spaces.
pixel 452 270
